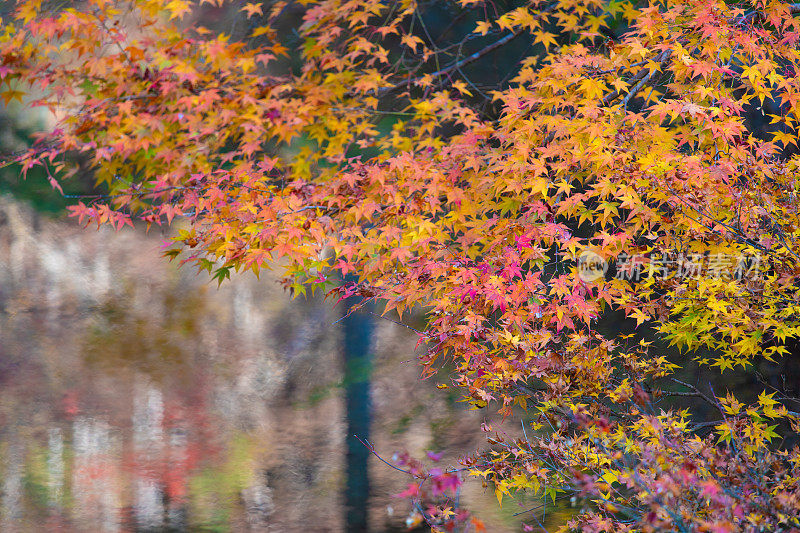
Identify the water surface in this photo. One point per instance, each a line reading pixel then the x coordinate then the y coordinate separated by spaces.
pixel 135 396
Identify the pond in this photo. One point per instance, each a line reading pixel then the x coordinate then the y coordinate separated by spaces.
pixel 137 396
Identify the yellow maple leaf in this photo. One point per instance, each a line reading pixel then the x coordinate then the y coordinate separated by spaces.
pixel 178 8
pixel 482 27
pixel 461 87
pixel 545 38
pixel 252 9
pixel 412 41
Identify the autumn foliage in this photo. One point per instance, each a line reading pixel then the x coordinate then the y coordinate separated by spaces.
pixel 331 138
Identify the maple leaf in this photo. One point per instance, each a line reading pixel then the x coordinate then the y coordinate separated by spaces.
pixel 545 38
pixel 692 109
pixel 461 87
pixel 178 8
pixel 482 27
pixel 252 9
pixel 412 41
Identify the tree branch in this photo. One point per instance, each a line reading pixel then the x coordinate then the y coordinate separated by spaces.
pixel 455 66
pixel 446 71
pixel 641 79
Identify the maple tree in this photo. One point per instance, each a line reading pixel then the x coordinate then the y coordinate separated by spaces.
pixel 660 138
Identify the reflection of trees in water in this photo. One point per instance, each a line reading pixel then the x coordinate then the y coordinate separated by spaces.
pixel 147 397
pixel 121 337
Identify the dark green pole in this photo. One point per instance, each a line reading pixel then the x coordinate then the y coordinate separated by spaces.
pixel 358 328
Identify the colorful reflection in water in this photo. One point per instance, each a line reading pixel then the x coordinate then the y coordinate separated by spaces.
pixel 137 397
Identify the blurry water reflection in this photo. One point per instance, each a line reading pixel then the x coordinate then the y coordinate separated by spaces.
pixel 135 396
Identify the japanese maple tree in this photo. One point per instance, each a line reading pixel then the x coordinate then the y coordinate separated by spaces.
pixel 354 137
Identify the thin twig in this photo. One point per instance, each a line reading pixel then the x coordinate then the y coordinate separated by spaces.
pixel 371 448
